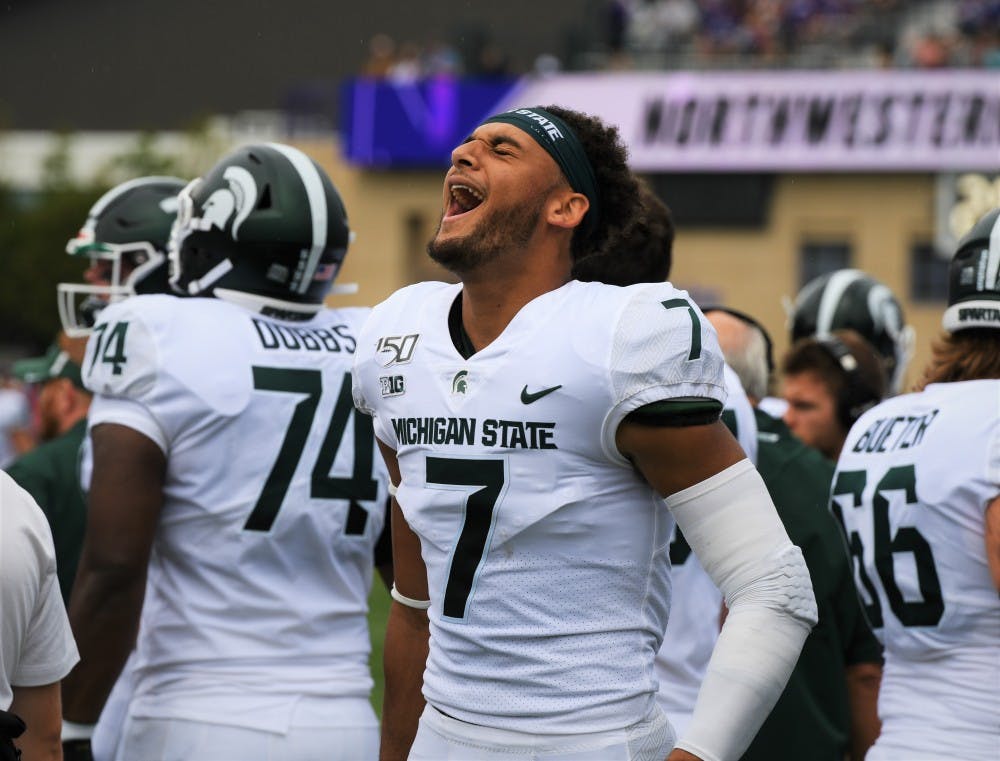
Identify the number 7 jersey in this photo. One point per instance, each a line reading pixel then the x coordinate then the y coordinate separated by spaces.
pixel 273 501
pixel 546 554
pixel 911 488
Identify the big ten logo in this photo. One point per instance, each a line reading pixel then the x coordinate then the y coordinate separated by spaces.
pixel 392 385
pixel 962 200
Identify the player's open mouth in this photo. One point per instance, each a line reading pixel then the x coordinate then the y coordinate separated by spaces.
pixel 462 199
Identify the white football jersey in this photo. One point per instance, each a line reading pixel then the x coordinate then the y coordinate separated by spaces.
pixel 911 488
pixel 738 414
pixel 546 553
pixel 274 499
pixel 696 604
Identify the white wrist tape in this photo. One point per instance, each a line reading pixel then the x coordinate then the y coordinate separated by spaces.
pixel 393 489
pixel 731 524
pixel 408 601
pixel 72 730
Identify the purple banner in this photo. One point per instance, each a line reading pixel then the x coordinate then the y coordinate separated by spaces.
pixel 414 124
pixel 858 121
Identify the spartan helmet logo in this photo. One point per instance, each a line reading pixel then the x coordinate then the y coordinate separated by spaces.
pixel 235 201
pixel 460 383
pixel 223 203
pixel 170 205
pixel 885 312
pixel 887 318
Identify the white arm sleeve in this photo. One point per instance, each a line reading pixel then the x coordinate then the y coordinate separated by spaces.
pixel 731 524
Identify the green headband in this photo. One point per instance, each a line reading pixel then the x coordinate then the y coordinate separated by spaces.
pixel 562 144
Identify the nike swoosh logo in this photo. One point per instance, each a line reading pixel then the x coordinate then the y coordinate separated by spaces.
pixel 529 398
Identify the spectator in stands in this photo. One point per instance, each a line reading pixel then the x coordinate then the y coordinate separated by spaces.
pixel 979 23
pixel 810 33
pixel 441 60
pixel 492 61
pixel 658 26
pixel 407 67
pixel 931 51
pixel 381 56
pixel 617 16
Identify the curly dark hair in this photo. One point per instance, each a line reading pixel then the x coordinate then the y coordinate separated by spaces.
pixel 646 249
pixel 616 185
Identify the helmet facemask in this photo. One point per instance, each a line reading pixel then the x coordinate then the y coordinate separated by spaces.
pixel 129 264
pixel 124 237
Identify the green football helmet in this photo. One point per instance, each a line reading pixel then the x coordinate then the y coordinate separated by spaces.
pixel 849 299
pixel 974 278
pixel 265 228
pixel 125 237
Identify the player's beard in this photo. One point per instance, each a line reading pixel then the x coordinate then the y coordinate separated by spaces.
pixel 498 232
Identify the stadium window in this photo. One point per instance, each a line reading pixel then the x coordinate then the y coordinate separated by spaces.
pixel 716 200
pixel 928 273
pixel 817 259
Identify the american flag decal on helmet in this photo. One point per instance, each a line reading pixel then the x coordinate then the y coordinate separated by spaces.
pixel 325 272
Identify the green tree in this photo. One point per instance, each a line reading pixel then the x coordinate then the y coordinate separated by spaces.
pixel 35 226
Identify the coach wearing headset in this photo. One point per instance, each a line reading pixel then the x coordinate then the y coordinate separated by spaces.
pixel 829 381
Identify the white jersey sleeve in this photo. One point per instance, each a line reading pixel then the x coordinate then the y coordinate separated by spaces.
pixel 124 368
pixel 119 367
pixel 663 348
pixel 36 644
